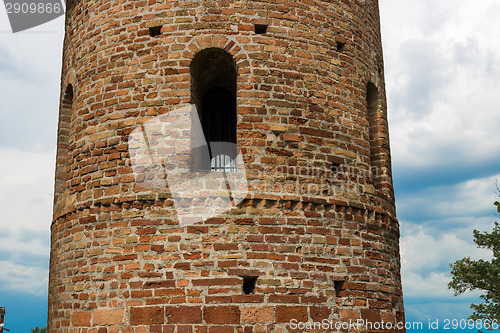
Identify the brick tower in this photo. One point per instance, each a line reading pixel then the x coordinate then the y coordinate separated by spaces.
pixel 298 86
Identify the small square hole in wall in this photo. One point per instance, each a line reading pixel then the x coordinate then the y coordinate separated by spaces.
pixel 155 31
pixel 340 46
pixel 249 284
pixel 260 28
pixel 338 285
pixel 335 167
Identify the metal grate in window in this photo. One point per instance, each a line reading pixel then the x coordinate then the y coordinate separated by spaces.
pixel 222 163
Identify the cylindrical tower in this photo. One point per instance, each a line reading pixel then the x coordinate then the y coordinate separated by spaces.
pixel 298 86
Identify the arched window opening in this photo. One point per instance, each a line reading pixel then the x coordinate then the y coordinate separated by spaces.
pixel 63 140
pixel 371 97
pixel 213 91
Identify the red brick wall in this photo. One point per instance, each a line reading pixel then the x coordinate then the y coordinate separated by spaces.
pixel 120 262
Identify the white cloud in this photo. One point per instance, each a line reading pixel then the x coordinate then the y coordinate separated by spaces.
pixel 441 73
pixel 441 64
pixel 30 69
pixel 465 203
pixel 26 194
pixel 24 279
pixel 26 189
pixel 25 260
pixel 425 259
pixel 430 245
pixel 24 242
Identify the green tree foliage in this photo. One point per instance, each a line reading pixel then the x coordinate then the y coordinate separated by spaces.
pixel 39 330
pixel 481 275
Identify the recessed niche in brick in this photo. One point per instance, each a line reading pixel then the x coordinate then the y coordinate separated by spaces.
pixel 155 31
pixel 339 286
pixel 68 97
pixel 249 284
pixel 340 46
pixel 63 140
pixel 372 106
pixel 260 28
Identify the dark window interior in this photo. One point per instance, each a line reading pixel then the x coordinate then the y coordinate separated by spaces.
pixel 213 91
pixel 218 116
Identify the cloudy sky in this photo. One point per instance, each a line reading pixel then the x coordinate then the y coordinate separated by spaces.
pixel 442 62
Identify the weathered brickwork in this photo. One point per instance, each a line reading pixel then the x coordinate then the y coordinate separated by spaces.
pixel 318 227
